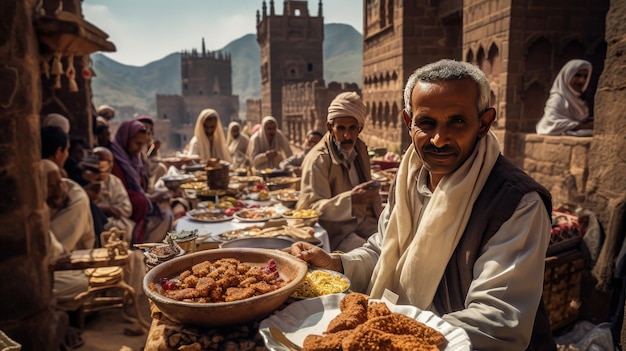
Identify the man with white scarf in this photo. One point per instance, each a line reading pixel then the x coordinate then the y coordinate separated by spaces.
pixel 479 270
pixel 336 178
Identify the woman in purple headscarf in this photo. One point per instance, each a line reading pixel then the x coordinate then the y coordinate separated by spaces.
pixel 129 140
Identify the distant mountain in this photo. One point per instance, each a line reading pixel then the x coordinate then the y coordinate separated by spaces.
pixel 132 90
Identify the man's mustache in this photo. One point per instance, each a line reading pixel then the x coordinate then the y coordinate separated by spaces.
pixel 433 149
pixel 347 142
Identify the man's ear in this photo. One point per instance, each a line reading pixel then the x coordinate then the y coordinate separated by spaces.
pixel 407 119
pixel 486 119
pixel 329 127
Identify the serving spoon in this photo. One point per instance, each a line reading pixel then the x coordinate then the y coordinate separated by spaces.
pixel 282 338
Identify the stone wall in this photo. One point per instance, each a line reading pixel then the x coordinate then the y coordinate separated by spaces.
pixel 560 163
pixel 26 289
pixel 607 167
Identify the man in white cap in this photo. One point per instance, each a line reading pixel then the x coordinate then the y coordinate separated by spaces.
pixel 336 177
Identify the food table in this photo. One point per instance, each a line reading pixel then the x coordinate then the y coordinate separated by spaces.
pixel 206 230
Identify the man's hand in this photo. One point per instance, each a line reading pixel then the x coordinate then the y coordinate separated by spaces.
pixel 92 190
pixel 271 153
pixel 365 193
pixel 159 195
pixel 111 211
pixel 316 256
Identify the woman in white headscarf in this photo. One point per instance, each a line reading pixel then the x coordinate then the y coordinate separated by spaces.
pixel 268 146
pixel 237 143
pixel 566 113
pixel 208 137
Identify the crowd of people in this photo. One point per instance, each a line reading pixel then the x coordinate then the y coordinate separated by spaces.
pixel 479 270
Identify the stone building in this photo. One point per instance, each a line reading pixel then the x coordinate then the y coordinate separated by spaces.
pixel 206 83
pixel 305 106
pixel 520 46
pixel 291 51
pixel 66 41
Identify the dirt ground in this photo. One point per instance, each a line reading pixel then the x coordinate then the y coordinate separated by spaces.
pixel 107 330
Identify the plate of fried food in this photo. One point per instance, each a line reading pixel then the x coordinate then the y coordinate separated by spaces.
pixel 256 214
pixel 208 215
pixel 319 282
pixel 354 322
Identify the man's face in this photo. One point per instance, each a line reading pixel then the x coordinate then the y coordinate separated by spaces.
pixel 62 155
pixel 136 143
pixel 270 130
pixel 57 191
pixel 105 163
pixel 209 126
pixel 345 130
pixel 234 132
pixel 149 131
pixel 445 125
pixel 311 141
pixel 579 79
pixel 78 152
pixel 104 138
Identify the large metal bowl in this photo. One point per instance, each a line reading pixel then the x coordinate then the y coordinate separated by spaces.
pixel 291 270
pixel 173 182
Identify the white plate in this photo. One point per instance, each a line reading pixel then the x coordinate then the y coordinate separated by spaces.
pixel 194 213
pixel 260 210
pixel 311 316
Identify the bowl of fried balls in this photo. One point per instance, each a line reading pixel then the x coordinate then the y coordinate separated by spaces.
pixel 223 287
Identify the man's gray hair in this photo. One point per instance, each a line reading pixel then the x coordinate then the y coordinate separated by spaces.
pixel 449 70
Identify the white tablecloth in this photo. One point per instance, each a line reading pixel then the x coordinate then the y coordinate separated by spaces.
pixel 214 228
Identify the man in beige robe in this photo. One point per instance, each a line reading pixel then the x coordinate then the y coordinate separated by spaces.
pixel 70 229
pixel 336 177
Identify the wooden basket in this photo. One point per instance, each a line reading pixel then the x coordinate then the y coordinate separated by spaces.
pixel 562 287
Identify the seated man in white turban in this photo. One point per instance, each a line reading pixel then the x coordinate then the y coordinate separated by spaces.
pixel 336 177
pixel 268 146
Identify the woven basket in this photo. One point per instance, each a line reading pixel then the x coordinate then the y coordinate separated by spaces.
pixel 562 288
pixel 217 178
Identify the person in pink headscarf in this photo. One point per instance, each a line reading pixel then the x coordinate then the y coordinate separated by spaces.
pixel 129 140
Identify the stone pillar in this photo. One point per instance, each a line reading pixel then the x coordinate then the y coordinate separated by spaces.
pixel 607 183
pixel 25 291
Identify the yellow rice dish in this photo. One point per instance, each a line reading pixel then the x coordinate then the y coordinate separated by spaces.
pixel 321 282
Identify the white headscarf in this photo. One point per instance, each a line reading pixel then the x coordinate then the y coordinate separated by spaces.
pixel 55 119
pixel 237 147
pixel 415 252
pixel 564 108
pixel 203 146
pixel 259 142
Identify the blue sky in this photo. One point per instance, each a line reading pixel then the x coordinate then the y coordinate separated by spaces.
pixel 147 30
